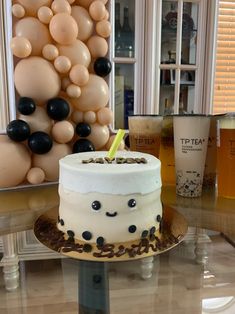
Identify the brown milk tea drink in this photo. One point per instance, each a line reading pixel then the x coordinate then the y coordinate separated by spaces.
pixel 145 133
pixel 191 134
pixel 226 156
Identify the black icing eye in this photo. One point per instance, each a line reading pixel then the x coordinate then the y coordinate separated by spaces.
pixel 96 205
pixel 132 203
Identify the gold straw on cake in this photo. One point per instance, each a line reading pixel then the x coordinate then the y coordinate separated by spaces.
pixel 117 140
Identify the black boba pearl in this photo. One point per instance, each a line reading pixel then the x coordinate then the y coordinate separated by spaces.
pixel 152 230
pixel 96 205
pixel 26 106
pixel 102 66
pixel 100 241
pixel 83 129
pixel 18 130
pixel 144 234
pixel 132 229
pixel 83 145
pixel 40 142
pixel 62 222
pixel 58 109
pixel 87 248
pixel 70 233
pixel 87 235
pixel 132 203
pixel 158 218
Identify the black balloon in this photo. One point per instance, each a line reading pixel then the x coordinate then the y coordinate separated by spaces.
pixel 58 109
pixel 83 129
pixel 18 130
pixel 83 145
pixel 102 66
pixel 26 105
pixel 40 142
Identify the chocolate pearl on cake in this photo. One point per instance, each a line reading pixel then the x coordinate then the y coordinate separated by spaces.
pixel 61 222
pixel 87 248
pixel 100 241
pixel 87 235
pixel 158 218
pixel 70 233
pixel 132 229
pixel 152 230
pixel 144 234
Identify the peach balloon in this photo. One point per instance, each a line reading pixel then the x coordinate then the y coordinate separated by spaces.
pixel 71 1
pixel 32 7
pixel 89 117
pixel 45 14
pixel 50 52
pixel 78 53
pixel 21 47
pixel 63 29
pixel 62 64
pixel 110 142
pixel 36 78
pixel 84 22
pixel 97 46
pixel 38 120
pixel 49 162
pixel 87 3
pixel 61 6
pixel 73 91
pixel 79 75
pixel 77 116
pixel 36 32
pixel 62 132
pixel 15 162
pixel 18 11
pixel 105 116
pixel 103 28
pixel 35 175
pixel 99 135
pixel 65 82
pixel 97 10
pixel 95 94
pixel 106 17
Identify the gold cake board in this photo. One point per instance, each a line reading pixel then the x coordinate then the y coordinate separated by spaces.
pixel 173 229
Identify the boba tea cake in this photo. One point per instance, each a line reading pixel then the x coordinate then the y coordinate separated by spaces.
pixel 105 200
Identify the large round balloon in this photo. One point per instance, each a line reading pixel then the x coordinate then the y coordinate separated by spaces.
pixel 35 31
pixel 38 120
pixel 99 135
pixel 21 47
pixel 32 7
pixel 97 46
pixel 15 162
pixel 78 53
pixel 63 29
pixel 84 22
pixel 18 130
pixel 58 108
pixel 63 132
pixel 95 94
pixel 49 162
pixel 83 145
pixel 40 143
pixel 102 66
pixel 26 105
pixel 36 78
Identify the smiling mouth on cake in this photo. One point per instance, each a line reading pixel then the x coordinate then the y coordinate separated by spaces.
pixel 111 214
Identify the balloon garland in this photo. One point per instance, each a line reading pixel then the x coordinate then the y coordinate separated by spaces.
pixel 60 55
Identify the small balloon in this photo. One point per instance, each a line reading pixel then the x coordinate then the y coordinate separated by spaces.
pixel 62 64
pixel 83 129
pixel 97 46
pixel 89 117
pixel 79 75
pixel 103 28
pixel 97 10
pixel 58 109
pixel 83 145
pixel 21 47
pixel 84 22
pixel 26 105
pixel 50 52
pixel 63 132
pixel 63 29
pixel 18 130
pixel 102 66
pixel 61 6
pixel 45 15
pixel 73 91
pixel 40 142
pixel 18 11
pixel 105 116
pixel 35 175
pixel 77 116
pixel 106 17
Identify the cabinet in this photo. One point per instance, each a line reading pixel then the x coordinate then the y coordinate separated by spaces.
pixel 167 61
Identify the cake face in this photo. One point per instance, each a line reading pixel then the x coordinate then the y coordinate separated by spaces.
pixel 108 201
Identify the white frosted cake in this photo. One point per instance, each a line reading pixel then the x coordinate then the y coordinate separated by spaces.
pixel 109 202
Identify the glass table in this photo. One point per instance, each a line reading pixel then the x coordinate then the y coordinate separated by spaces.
pixel 197 276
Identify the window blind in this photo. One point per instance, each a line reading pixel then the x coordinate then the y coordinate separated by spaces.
pixel 224 85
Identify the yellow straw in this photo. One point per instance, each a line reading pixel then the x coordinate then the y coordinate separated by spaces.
pixel 116 143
